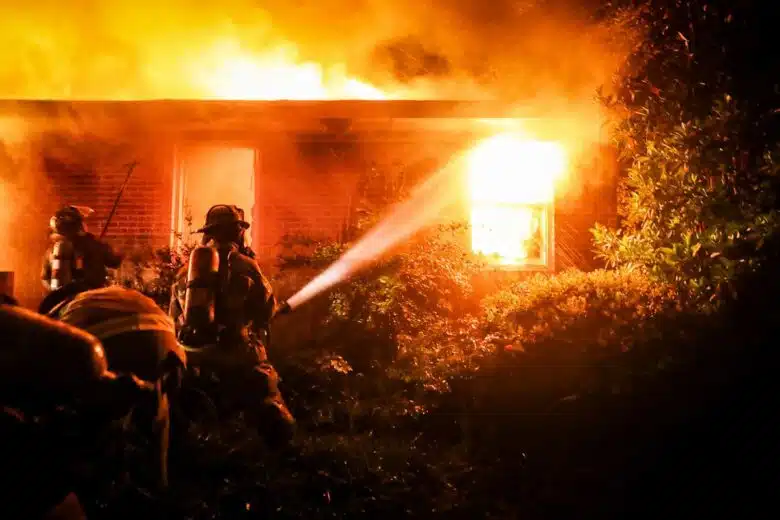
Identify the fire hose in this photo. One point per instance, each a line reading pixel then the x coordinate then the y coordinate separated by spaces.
pixel 284 308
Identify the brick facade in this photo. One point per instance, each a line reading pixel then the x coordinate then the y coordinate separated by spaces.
pixel 301 190
pixel 91 173
pixel 306 181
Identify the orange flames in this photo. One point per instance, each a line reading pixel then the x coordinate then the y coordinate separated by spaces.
pixel 232 73
pixel 511 185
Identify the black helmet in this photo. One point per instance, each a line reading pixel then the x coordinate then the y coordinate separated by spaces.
pixel 222 214
pixel 69 219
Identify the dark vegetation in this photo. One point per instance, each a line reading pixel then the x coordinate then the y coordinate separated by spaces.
pixel 643 389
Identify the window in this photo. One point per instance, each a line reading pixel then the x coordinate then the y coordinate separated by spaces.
pixel 511 189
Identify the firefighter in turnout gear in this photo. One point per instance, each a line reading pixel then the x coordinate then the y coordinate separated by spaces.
pixel 138 338
pixel 60 407
pixel 76 261
pixel 222 306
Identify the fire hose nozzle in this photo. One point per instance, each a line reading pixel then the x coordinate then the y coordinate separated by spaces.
pixel 284 308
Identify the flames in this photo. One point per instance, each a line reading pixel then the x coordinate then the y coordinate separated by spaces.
pixel 233 73
pixel 511 185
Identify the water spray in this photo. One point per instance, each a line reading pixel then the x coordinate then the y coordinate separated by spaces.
pixel 425 203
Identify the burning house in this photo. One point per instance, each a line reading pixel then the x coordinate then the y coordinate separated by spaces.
pixel 303 167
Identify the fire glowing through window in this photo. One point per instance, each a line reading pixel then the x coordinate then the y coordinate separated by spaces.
pixel 512 187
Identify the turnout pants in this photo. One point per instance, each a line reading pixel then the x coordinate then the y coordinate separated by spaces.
pixel 244 378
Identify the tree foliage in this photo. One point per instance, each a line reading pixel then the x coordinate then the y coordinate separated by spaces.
pixel 692 210
pixel 698 195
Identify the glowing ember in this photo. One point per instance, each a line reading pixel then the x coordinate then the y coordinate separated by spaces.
pixel 277 75
pixel 511 180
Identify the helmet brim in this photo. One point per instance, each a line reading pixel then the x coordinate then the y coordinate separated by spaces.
pixel 205 229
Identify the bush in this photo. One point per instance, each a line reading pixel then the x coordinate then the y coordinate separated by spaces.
pixel 694 128
pixel 153 272
pixel 416 317
pixel 413 312
pixel 694 212
pixel 579 323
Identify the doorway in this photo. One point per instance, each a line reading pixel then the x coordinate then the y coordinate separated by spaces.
pixel 206 175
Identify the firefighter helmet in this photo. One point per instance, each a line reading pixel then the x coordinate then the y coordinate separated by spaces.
pixel 118 316
pixel 139 340
pixel 69 219
pixel 222 214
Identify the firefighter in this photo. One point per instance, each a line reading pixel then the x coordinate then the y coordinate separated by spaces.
pixel 243 243
pixel 222 305
pixel 76 261
pixel 139 338
pixel 59 402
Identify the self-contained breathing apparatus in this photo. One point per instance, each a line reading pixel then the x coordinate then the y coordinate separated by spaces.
pixel 209 276
pixel 200 325
pixel 207 286
pixel 76 260
pixel 65 259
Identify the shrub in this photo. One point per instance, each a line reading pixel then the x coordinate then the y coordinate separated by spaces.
pixel 694 212
pixel 413 311
pixel 695 130
pixel 577 316
pixel 153 271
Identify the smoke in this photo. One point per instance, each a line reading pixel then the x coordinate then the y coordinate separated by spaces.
pixel 24 200
pixel 11 133
pixel 128 49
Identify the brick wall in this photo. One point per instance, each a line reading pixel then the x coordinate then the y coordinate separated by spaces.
pixel 314 188
pixel 91 172
pixel 300 190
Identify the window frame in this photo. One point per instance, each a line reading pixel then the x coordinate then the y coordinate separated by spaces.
pixel 548 226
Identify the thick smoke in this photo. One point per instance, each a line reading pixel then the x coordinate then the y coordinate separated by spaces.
pixel 24 201
pixel 545 57
pixel 513 50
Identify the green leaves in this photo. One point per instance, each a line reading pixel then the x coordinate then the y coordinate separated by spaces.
pixel 690 203
pixel 572 313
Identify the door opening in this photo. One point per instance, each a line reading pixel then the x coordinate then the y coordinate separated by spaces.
pixel 209 175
